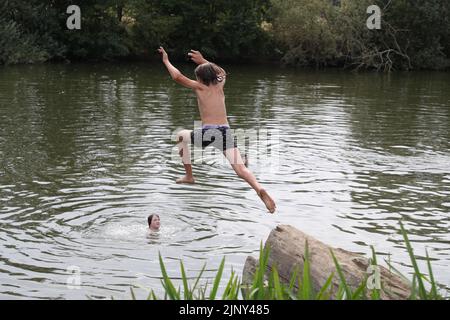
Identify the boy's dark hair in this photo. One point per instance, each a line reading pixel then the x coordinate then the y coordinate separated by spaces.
pixel 150 218
pixel 209 73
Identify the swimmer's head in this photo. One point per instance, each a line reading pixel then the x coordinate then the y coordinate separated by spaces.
pixel 153 222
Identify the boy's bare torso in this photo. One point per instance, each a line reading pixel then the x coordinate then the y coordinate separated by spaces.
pixel 211 105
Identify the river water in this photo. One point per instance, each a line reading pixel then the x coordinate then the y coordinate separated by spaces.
pixel 86 154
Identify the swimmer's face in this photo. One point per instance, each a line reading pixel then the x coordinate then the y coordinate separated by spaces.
pixel 155 224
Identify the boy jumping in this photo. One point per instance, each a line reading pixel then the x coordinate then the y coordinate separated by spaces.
pixel 211 104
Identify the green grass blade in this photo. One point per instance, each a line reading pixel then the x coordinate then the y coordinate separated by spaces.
pixel 434 292
pixel 133 296
pixel 263 263
pixel 276 284
pixel 300 288
pixel 397 272
pixel 413 289
pixel 306 284
pixel 236 288
pixel 422 291
pixel 375 294
pixel 253 294
pixel 340 293
pixel 233 293
pixel 325 287
pixel 227 290
pixel 374 256
pixel 293 278
pixel 348 292
pixel 187 292
pixel 269 291
pixel 213 292
pixel 258 278
pixel 360 292
pixel 203 291
pixel 152 296
pixel 198 278
pixel 170 289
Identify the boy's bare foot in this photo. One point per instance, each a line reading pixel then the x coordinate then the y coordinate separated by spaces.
pixel 186 180
pixel 268 201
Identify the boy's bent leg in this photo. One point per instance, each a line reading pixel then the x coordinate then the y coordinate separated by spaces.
pixel 183 141
pixel 234 157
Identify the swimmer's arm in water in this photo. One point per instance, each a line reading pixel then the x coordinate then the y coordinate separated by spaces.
pixel 177 75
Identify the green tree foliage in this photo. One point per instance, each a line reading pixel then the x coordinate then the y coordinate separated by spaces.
pixel 305 30
pixel 220 29
pixel 414 34
pixel 26 32
pixel 422 29
pixel 102 35
pixel 148 27
pixel 321 33
pixel 33 31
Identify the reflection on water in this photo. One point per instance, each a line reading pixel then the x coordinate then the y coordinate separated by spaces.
pixel 85 157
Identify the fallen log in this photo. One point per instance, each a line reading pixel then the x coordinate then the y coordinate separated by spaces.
pixel 287 251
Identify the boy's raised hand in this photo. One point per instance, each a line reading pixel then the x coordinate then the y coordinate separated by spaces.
pixel 197 57
pixel 164 55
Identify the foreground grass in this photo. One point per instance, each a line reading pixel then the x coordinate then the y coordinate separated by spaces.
pixel 423 287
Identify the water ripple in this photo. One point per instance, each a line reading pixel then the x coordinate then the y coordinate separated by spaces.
pixel 83 163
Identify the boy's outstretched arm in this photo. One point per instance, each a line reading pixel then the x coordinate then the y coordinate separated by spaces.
pixel 176 74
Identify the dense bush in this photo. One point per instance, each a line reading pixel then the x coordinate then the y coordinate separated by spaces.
pixel 26 32
pixel 414 34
